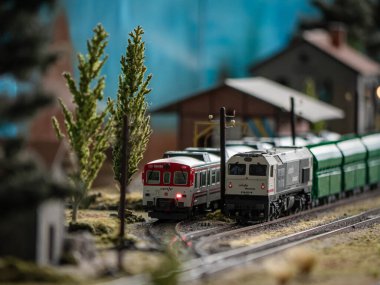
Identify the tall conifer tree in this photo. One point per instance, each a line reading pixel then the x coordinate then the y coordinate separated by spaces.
pixel 131 101
pixel 24 57
pixel 88 132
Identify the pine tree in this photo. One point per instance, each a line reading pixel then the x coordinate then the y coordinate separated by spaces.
pixel 131 101
pixel 88 133
pixel 23 57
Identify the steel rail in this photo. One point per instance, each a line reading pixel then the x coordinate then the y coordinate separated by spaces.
pixel 199 247
pixel 200 267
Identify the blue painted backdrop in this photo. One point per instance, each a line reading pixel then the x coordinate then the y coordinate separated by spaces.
pixel 190 44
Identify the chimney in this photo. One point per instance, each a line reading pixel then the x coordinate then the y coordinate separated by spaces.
pixel 337 34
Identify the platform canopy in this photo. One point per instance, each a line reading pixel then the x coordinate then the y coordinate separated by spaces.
pixel 279 95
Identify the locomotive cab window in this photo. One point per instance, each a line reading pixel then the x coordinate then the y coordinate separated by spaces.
pixel 166 177
pixel 257 170
pixel 153 177
pixel 236 169
pixel 180 178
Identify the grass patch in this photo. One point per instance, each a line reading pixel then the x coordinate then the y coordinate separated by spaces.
pixel 218 216
pixel 13 270
pixel 109 200
pixel 104 225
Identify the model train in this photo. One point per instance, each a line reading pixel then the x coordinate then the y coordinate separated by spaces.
pixel 261 184
pixel 184 182
pixel 266 185
pixel 180 183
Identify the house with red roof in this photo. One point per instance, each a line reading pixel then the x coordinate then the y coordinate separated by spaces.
pixel 340 76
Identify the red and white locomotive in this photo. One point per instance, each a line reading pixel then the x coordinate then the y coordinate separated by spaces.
pixel 181 183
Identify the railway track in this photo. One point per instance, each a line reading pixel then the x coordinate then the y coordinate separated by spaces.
pixel 214 263
pixel 163 234
pixel 200 246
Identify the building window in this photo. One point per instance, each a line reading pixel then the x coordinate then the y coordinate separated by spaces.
pixel 326 91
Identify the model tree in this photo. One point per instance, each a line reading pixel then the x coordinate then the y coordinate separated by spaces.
pixel 131 102
pixel 23 57
pixel 88 132
pixel 132 128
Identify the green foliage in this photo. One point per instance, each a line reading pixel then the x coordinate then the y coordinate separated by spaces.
pixel 97 228
pixel 87 132
pixel 131 101
pixel 80 227
pixel 168 271
pixel 130 217
pixel 24 37
pixel 24 56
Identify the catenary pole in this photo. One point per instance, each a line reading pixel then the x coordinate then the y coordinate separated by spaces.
pixel 292 121
pixel 222 124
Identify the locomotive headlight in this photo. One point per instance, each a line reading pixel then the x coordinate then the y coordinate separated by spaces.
pixel 262 186
pixel 230 185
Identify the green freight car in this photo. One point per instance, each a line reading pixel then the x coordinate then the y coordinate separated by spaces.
pixel 372 143
pixel 354 169
pixel 327 172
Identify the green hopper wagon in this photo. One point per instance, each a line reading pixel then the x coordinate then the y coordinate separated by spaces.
pixel 372 143
pixel 327 171
pixel 354 163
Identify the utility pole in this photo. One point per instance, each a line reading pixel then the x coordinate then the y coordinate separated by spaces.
pixel 222 125
pixel 123 191
pixel 292 121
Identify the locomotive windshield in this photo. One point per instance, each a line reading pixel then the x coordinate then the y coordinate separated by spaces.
pixel 180 178
pixel 257 170
pixel 236 169
pixel 153 177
